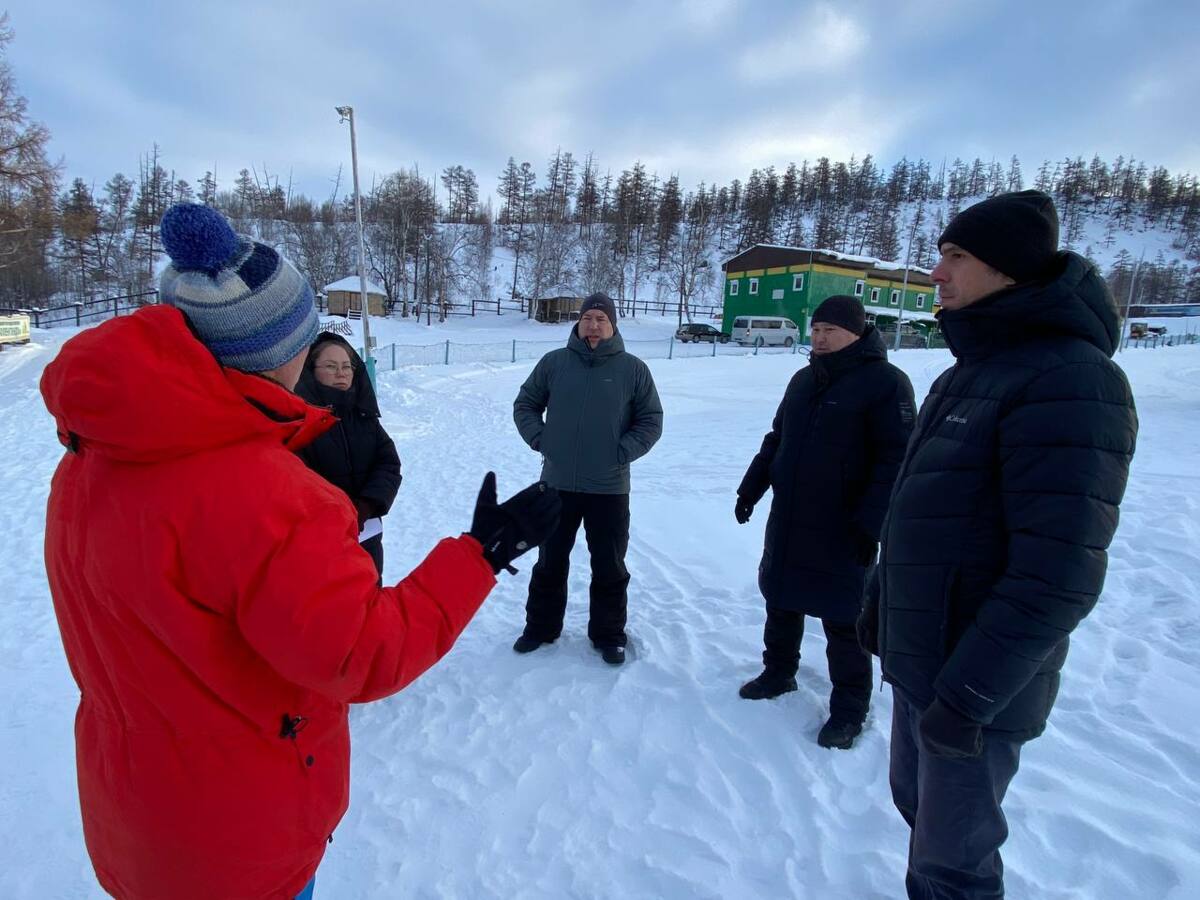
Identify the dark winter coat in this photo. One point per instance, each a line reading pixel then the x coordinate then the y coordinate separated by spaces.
pixel 356 454
pixel 601 413
pixel 830 459
pixel 996 537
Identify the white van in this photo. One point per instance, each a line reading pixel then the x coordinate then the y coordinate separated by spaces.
pixel 765 331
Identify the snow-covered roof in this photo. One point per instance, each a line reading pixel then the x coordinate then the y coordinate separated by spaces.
pixel 350 283
pixel 848 257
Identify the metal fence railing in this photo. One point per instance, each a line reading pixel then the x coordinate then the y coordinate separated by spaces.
pixel 84 312
pixel 1154 341
pixel 390 357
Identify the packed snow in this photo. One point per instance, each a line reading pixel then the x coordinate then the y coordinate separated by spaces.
pixel 553 775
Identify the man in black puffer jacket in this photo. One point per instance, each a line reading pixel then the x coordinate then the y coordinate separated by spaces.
pixel 995 543
pixel 830 458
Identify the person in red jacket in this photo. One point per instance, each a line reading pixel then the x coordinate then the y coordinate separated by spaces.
pixel 216 610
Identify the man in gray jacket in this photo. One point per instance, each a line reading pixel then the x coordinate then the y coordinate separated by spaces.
pixel 590 409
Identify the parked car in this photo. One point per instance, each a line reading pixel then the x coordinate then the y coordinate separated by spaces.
pixel 765 331
pixel 1143 329
pixel 698 332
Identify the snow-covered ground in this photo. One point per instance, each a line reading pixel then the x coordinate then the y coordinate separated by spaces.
pixel 552 775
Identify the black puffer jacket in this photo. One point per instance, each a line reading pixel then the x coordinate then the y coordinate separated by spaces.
pixel 356 454
pixel 996 537
pixel 830 458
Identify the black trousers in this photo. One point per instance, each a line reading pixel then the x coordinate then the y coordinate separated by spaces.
pixel 849 664
pixel 605 519
pixel 953 809
pixel 374 546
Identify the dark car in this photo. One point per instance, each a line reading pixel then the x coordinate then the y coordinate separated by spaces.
pixel 697 333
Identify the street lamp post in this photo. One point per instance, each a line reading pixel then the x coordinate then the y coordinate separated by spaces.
pixel 904 289
pixel 347 112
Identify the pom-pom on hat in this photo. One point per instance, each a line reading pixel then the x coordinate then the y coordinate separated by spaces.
pixel 247 303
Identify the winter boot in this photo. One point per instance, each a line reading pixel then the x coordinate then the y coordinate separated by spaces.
pixel 767 686
pixel 839 734
pixel 613 655
pixel 527 643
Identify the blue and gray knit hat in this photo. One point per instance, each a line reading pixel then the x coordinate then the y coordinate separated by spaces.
pixel 247 303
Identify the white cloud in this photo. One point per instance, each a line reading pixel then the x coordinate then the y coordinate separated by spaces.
pixel 706 15
pixel 819 40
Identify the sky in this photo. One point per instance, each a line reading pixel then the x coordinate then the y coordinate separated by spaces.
pixel 706 89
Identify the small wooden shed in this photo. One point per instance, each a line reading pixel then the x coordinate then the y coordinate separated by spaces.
pixel 344 298
pixel 558 304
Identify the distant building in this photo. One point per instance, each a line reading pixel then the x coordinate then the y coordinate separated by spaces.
pixel 344 298
pixel 769 280
pixel 557 304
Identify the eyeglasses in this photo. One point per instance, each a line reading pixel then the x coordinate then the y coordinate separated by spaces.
pixel 335 369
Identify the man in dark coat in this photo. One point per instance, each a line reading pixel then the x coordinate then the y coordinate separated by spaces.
pixel 830 458
pixel 590 409
pixel 356 455
pixel 996 536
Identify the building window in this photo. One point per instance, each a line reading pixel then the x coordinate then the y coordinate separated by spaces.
pixel 798 282
pixel 874 295
pixel 777 294
pixel 920 301
pixel 733 287
pixel 753 285
pixel 858 287
pixel 895 297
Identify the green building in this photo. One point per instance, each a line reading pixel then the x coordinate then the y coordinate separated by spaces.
pixel 768 280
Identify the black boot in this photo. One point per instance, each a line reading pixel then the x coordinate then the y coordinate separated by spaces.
pixel 527 643
pixel 839 734
pixel 614 655
pixel 767 686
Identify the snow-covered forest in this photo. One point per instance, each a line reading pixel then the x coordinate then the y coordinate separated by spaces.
pixel 582 224
pixel 579 224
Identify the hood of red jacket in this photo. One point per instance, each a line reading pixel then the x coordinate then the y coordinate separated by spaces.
pixel 142 388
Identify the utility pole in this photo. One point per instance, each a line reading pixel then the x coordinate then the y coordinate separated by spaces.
pixel 1129 301
pixel 347 112
pixel 912 234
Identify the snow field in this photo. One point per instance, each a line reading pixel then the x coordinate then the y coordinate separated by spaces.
pixel 553 775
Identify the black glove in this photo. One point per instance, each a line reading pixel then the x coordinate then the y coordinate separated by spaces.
pixel 365 509
pixel 867 629
pixel 946 733
pixel 521 522
pixel 742 510
pixel 864 549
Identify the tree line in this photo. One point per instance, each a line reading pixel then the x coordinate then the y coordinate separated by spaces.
pixel 571 225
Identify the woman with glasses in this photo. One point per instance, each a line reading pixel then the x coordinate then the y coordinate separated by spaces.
pixel 356 454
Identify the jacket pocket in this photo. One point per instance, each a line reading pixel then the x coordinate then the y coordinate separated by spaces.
pixel 952 627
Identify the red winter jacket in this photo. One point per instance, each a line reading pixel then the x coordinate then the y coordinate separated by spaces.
pixel 218 615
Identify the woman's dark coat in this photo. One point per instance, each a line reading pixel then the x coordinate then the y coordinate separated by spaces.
pixel 356 454
pixel 830 459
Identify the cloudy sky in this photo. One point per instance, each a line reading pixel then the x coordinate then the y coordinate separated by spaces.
pixel 707 89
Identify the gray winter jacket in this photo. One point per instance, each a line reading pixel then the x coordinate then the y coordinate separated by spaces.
pixel 601 413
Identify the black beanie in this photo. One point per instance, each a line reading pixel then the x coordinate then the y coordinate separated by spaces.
pixel 1016 234
pixel 843 311
pixel 603 303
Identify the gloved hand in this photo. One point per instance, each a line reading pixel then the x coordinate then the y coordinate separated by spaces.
pixel 365 510
pixel 866 627
pixel 742 510
pixel 521 522
pixel 947 734
pixel 864 549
